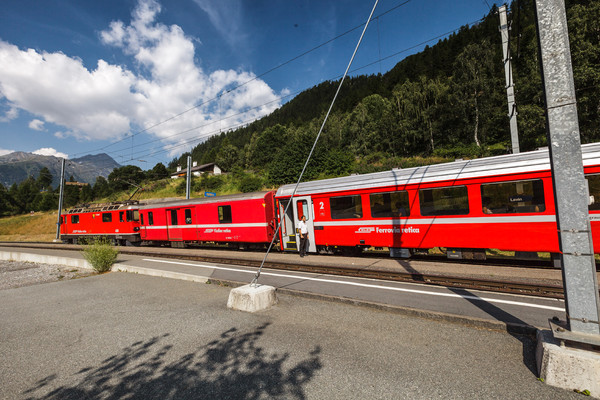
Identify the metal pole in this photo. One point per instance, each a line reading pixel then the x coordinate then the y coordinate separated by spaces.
pixel 188 184
pixel 570 190
pixel 510 88
pixel 60 198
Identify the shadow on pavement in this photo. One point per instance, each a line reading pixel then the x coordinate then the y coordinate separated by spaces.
pixel 515 326
pixel 232 367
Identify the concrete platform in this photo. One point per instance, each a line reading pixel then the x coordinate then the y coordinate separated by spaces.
pixel 384 264
pixel 567 367
pixel 252 298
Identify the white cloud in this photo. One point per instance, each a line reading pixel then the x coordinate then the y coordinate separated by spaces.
pixel 111 100
pixel 11 114
pixel 225 17
pixel 49 151
pixel 4 152
pixel 36 125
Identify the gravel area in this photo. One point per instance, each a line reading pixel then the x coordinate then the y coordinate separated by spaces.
pixel 14 274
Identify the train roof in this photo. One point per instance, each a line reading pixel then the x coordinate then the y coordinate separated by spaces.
pixel 206 200
pixel 88 208
pixel 532 161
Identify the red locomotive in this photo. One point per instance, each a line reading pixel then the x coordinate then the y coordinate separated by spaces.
pixel 503 202
pixel 117 221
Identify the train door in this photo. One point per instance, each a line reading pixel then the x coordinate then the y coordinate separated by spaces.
pixel 303 207
pixel 288 227
pixel 174 231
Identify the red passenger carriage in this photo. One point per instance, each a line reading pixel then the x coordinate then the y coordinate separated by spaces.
pixel 240 220
pixel 503 202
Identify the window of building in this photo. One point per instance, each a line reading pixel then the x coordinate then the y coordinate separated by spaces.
pixel 346 207
pixel 225 214
pixel 106 217
pixel 74 219
pixel 188 216
pixel 444 201
pixel 389 205
pixel 594 189
pixel 513 197
pixel 150 218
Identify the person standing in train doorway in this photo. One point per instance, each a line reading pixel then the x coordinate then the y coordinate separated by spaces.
pixel 303 229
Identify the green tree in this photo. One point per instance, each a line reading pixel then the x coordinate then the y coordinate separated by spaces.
pixel 265 145
pixel 124 178
pixel 44 180
pixel 158 172
pixel 101 188
pixel 418 105
pixel 372 125
pixel 477 78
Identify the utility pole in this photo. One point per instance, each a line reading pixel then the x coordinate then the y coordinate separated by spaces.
pixel 510 88
pixel 188 185
pixel 571 195
pixel 60 199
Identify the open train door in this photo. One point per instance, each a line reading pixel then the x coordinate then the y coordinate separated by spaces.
pixel 303 207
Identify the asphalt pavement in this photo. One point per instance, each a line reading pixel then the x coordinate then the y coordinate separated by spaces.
pixel 123 335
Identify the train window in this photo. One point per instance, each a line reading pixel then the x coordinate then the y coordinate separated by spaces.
pixel 150 218
pixel 444 201
pixel 106 217
pixel 121 215
pixel 132 215
pixel 302 207
pixel 513 197
pixel 173 217
pixel 594 190
pixel 74 219
pixel 141 219
pixel 225 214
pixel 346 207
pixel 388 205
pixel 188 216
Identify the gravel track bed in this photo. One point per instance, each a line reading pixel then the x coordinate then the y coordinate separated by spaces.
pixel 14 274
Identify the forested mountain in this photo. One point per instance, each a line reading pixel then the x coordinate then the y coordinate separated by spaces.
pixel 447 101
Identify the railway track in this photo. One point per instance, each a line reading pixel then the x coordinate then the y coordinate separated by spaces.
pixel 457 282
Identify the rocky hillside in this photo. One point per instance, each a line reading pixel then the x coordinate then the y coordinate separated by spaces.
pixel 16 167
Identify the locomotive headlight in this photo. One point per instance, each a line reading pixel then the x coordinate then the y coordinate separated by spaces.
pixel 136 228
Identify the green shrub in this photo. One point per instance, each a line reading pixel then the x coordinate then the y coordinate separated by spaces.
pixel 251 184
pixel 101 254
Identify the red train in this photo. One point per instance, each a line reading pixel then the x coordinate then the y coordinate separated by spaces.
pixel 503 202
pixel 118 221
pixel 243 219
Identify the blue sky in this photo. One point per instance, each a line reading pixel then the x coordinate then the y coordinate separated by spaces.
pixel 146 80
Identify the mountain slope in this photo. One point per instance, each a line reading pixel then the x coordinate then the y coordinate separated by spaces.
pixel 16 167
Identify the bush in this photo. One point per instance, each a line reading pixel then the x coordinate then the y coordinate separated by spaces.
pixel 101 254
pixel 251 184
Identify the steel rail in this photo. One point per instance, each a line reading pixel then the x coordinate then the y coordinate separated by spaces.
pixel 461 282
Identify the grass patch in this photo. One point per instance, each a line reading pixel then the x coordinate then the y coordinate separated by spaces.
pixel 38 227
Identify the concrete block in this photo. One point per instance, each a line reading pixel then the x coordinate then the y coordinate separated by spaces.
pixel 567 367
pixel 252 298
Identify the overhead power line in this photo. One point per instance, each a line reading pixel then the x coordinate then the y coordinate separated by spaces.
pixel 246 82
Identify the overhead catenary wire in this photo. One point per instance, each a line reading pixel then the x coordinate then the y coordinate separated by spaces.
pixel 255 280
pixel 218 97
pixel 141 153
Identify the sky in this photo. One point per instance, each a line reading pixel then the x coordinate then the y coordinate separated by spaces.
pixel 147 80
